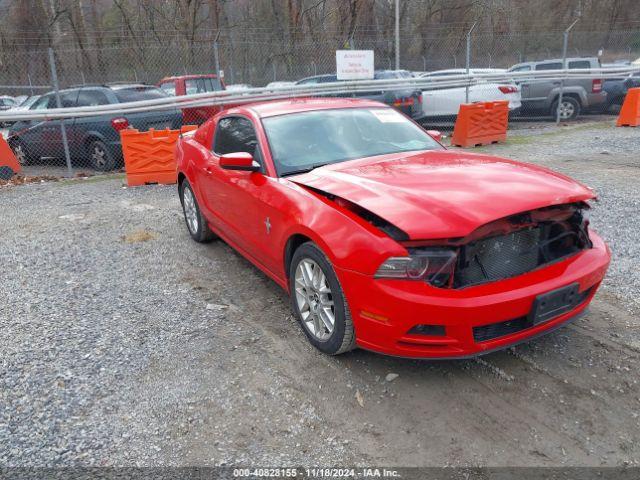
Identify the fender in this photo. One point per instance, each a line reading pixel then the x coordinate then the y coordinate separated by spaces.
pixel 348 240
pixel 569 90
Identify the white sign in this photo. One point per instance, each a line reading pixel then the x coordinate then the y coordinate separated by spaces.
pixel 354 64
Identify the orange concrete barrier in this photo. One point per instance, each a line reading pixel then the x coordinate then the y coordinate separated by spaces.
pixel 149 156
pixel 9 166
pixel 630 112
pixel 481 123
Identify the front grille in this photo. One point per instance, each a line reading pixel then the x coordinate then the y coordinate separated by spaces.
pixel 500 257
pixel 509 327
pixel 518 252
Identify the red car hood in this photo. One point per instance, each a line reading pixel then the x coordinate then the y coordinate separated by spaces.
pixel 443 194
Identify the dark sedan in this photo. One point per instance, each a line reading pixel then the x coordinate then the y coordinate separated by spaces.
pixel 95 138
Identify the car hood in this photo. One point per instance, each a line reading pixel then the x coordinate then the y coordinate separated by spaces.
pixel 445 193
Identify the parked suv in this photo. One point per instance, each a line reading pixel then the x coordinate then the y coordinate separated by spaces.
pixel 541 95
pixel 190 85
pixel 96 137
pixel 407 101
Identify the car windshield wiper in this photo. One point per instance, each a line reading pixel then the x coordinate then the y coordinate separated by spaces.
pixel 305 170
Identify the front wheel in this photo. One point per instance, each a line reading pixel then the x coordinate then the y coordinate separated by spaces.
pixel 318 301
pixel 569 109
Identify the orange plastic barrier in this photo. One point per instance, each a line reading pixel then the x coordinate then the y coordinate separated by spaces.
pixel 9 166
pixel 481 123
pixel 149 156
pixel 630 111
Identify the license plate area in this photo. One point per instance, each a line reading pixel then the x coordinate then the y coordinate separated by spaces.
pixel 556 302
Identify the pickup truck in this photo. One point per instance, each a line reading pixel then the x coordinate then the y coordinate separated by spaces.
pixel 579 94
pixel 192 84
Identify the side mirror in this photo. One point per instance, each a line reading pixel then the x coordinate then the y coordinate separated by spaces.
pixel 435 134
pixel 239 161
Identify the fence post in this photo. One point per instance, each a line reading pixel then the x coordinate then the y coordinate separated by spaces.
pixel 30 84
pixel 216 59
pixel 397 35
pixel 466 92
pixel 63 130
pixel 565 42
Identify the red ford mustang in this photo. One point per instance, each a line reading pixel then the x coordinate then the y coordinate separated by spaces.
pixel 385 239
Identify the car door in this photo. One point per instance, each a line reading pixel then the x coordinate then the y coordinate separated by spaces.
pixel 51 142
pixel 541 88
pixel 443 101
pixel 241 200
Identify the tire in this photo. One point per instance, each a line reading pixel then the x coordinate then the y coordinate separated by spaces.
pixel 197 225
pixel 100 156
pixel 21 152
pixel 342 337
pixel 571 109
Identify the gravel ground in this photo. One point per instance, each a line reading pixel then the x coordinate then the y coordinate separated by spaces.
pixel 122 342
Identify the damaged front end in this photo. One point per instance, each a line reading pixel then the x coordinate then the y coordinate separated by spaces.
pixel 499 250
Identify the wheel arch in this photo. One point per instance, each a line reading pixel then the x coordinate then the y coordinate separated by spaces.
pixel 291 245
pixel 91 136
pixel 574 95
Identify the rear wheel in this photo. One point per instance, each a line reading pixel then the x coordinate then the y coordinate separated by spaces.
pixel 196 223
pixel 318 301
pixel 569 108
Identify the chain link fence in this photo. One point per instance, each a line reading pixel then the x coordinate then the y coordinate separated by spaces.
pixel 135 71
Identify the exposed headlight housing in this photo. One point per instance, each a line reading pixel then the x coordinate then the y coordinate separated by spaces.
pixel 432 265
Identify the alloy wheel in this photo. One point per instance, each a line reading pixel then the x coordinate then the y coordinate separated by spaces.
pixel 99 156
pixel 314 299
pixel 566 110
pixel 21 154
pixel 190 211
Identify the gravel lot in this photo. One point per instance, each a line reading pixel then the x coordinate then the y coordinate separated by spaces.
pixel 122 342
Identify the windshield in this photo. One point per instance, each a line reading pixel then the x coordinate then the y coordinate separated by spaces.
pixel 134 94
pixel 302 141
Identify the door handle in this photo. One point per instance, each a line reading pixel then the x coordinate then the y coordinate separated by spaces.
pixel 208 170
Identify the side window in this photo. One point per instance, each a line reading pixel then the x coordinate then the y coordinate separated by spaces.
pixel 195 85
pixel 549 66
pixel 191 86
pixel 169 88
pixel 91 98
pixel 208 85
pixel 309 81
pixel 584 64
pixel 235 134
pixel 68 99
pixel 523 68
pixel 42 103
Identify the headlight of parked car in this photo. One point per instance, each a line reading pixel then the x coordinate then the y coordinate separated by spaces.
pixel 433 265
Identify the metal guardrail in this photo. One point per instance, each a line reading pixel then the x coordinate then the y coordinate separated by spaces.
pixel 342 87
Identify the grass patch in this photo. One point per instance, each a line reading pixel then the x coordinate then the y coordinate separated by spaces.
pixel 94 179
pixel 139 236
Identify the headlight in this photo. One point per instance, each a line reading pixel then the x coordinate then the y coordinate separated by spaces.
pixel 433 265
